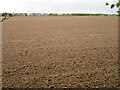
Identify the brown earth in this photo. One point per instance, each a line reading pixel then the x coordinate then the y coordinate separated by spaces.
pixel 60 52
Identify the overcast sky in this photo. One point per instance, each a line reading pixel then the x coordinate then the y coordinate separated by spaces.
pixel 56 6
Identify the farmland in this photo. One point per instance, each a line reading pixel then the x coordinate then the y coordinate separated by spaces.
pixel 60 52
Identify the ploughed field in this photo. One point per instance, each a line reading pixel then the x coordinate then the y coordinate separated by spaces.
pixel 60 52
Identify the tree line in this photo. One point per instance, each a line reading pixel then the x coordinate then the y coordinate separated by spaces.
pixel 57 14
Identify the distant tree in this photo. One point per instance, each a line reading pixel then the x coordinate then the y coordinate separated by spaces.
pixel 115 4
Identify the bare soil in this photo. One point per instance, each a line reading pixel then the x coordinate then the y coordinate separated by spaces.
pixel 60 52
